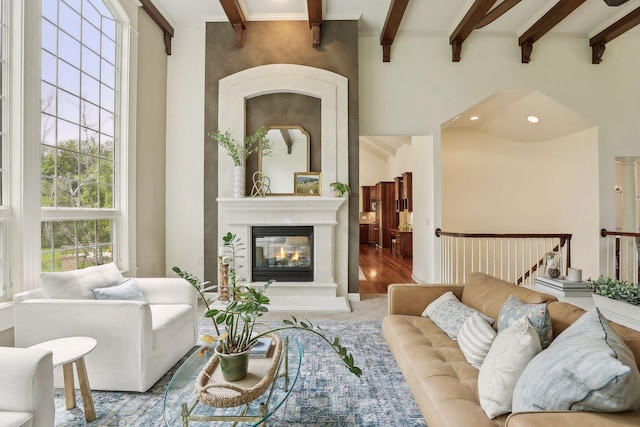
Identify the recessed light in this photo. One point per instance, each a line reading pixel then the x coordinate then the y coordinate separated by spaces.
pixel 533 119
pixel 474 118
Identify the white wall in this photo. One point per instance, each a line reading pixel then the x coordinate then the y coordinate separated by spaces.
pixel 413 95
pixel 421 89
pixel 491 185
pixel 372 170
pixel 185 147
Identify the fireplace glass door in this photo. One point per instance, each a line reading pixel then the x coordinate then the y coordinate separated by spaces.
pixel 282 253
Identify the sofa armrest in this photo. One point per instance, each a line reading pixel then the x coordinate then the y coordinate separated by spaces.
pixel 167 290
pixel 26 383
pixel 412 299
pixel 574 418
pixel 123 324
pixel 31 294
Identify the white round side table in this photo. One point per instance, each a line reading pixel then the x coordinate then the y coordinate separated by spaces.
pixel 67 351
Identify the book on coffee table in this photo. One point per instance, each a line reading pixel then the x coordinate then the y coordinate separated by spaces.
pixel 261 349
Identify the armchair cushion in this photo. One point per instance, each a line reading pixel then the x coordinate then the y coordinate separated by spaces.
pixel 128 290
pixel 77 284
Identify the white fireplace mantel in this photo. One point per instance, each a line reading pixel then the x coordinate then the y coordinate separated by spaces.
pixel 323 293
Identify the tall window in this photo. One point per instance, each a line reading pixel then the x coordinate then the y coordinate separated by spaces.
pixel 79 144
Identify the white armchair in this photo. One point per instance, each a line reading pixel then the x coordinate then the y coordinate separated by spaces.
pixel 138 341
pixel 26 388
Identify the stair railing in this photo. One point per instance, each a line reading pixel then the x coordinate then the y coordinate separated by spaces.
pixel 514 257
pixel 623 255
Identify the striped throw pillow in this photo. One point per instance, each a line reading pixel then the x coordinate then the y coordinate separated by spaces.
pixel 475 339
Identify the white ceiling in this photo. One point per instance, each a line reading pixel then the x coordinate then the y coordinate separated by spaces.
pixel 421 16
pixel 501 114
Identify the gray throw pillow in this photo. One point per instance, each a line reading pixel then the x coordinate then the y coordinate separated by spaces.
pixel 448 313
pixel 588 367
pixel 537 314
pixel 128 290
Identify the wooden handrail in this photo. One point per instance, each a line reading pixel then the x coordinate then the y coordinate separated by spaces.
pixel 561 236
pixel 605 233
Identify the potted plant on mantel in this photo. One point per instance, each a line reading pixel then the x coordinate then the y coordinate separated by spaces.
pixel 239 153
pixel 618 300
pixel 235 325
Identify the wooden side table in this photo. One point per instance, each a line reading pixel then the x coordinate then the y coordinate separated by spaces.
pixel 66 351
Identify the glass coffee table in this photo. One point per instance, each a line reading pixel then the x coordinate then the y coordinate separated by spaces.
pixel 181 407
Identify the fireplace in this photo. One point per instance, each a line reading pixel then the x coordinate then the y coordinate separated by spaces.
pixel 282 253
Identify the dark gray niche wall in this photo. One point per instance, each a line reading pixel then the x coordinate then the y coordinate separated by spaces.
pixel 286 42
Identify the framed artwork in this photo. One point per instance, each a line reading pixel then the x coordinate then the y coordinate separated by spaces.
pixel 306 183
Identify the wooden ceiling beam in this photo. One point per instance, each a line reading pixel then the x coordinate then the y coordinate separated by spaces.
pixel 161 22
pixel 497 12
pixel 391 26
pixel 621 26
pixel 475 14
pixel 236 18
pixel 557 13
pixel 314 8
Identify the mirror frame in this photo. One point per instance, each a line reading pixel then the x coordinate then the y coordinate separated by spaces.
pixel 308 166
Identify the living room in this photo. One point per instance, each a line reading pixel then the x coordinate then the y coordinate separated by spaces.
pixel 173 174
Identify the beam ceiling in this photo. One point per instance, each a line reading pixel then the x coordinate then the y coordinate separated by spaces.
pixel 475 14
pixel 557 13
pixel 161 22
pixel 236 18
pixel 314 8
pixel 391 26
pixel 614 30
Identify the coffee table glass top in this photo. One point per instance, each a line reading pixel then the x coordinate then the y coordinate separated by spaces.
pixel 181 390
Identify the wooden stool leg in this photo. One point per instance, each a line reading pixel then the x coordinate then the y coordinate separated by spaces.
pixel 69 386
pixel 85 391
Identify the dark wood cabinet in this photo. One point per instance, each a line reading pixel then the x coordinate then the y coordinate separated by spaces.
pixel 366 198
pixel 403 246
pixel 407 192
pixel 398 193
pixel 373 193
pixel 386 218
pixel 373 234
pixel 364 233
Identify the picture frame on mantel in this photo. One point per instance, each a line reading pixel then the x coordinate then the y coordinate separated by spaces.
pixel 307 183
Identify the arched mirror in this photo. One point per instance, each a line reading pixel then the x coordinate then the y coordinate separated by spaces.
pixel 290 154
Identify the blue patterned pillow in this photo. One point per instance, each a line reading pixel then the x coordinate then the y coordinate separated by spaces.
pixel 588 367
pixel 448 313
pixel 128 290
pixel 538 315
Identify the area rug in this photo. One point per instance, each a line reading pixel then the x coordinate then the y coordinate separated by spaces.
pixel 326 393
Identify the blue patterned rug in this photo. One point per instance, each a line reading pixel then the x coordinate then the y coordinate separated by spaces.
pixel 326 394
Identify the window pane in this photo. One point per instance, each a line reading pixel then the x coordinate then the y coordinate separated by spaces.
pixel 46 243
pixel 90 115
pixel 47 196
pixel 108 98
pixel 89 12
pixel 68 106
pixel 106 196
pixel 108 49
pixel 64 234
pixel 90 63
pixel 69 78
pixel 89 196
pixel 47 161
pixel 106 147
pixel 69 49
pixel 89 142
pixel 48 129
pixel 106 123
pixel 49 36
pixel 48 99
pixel 68 134
pixel 87 232
pixel 90 89
pixel 109 28
pixel 104 231
pixel 108 74
pixel 50 10
pixel 90 36
pixel 49 72
pixel 69 20
pixel 67 166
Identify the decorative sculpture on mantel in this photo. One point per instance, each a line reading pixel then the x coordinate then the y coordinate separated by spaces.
pixel 261 185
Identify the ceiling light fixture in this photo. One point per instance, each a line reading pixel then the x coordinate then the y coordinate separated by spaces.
pixel 474 118
pixel 533 119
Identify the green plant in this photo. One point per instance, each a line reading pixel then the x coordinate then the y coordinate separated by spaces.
pixel 236 325
pixel 616 289
pixel 239 152
pixel 340 188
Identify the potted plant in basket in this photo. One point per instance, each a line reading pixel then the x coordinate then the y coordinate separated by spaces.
pixel 239 153
pixel 619 300
pixel 236 327
pixel 340 188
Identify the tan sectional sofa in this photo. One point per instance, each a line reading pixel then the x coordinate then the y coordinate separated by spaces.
pixel 444 384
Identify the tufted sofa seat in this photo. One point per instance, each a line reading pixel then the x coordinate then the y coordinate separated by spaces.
pixel 445 385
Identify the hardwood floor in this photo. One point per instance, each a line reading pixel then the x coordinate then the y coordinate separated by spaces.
pixel 381 269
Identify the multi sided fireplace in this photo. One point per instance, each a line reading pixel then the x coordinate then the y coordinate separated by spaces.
pixel 282 253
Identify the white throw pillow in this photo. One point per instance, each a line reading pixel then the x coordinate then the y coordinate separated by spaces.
pixel 475 339
pixel 448 313
pixel 77 284
pixel 510 353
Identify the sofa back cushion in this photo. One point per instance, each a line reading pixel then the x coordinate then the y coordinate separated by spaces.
pixel 488 294
pixel 77 284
